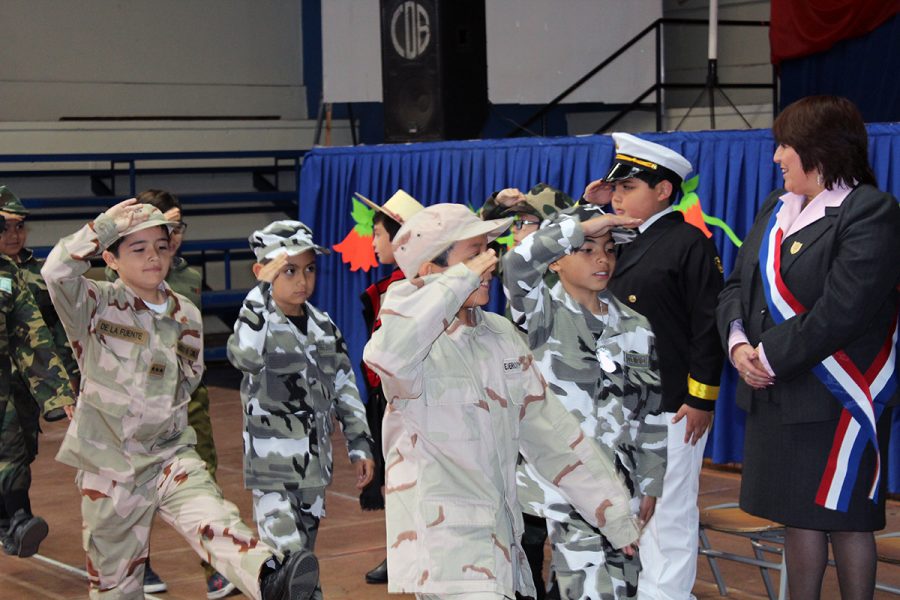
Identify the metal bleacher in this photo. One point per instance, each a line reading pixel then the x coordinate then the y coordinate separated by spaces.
pixel 222 195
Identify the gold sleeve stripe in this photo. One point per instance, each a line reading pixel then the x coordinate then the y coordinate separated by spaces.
pixel 638 161
pixel 701 390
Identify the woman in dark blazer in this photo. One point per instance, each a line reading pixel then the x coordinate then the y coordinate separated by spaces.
pixel 807 317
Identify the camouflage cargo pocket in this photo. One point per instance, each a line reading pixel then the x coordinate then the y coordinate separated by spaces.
pixel 453 410
pixel 460 541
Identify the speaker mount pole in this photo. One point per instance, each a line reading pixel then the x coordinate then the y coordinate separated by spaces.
pixel 711 85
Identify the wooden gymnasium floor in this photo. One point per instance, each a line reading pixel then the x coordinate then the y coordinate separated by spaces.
pixel 350 541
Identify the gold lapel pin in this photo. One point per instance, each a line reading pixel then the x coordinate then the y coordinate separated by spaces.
pixel 795 247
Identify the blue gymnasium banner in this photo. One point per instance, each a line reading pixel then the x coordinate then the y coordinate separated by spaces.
pixel 734 172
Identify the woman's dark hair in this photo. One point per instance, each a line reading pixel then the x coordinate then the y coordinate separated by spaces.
pixel 160 199
pixel 389 224
pixel 828 133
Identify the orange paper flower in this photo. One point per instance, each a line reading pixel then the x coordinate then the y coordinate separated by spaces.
pixel 356 248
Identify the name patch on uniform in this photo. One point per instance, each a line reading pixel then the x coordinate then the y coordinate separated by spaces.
pixel 512 365
pixel 188 352
pixel 134 335
pixel 6 285
pixel 636 359
pixel 157 370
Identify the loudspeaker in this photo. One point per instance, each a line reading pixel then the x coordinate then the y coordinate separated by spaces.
pixel 434 69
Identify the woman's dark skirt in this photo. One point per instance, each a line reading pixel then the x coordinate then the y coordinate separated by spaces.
pixel 783 467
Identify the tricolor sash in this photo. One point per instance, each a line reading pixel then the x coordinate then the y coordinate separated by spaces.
pixel 862 395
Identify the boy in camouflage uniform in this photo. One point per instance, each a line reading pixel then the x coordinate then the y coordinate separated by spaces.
pixel 530 210
pixel 465 400
pixel 139 346
pixel 297 375
pixel 186 281
pixel 23 412
pixel 385 225
pixel 13 244
pixel 29 363
pixel 541 202
pixel 599 357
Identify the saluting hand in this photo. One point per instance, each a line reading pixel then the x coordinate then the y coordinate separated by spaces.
pixel 510 197
pixel 272 269
pixel 598 226
pixel 173 214
pixel 598 192
pixel 126 214
pixel 483 263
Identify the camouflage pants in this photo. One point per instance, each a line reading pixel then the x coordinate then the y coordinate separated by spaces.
pixel 198 418
pixel 586 565
pixel 289 519
pixel 18 446
pixel 117 519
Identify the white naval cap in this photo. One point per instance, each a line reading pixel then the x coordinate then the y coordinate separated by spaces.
pixel 635 155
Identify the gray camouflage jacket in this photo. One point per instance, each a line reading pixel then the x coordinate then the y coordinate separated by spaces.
pixel 604 369
pixel 463 403
pixel 294 383
pixel 138 367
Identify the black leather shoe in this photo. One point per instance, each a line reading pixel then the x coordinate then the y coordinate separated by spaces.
pixel 26 532
pixel 378 574
pixel 295 579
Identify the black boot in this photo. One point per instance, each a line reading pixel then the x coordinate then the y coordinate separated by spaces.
pixel 25 534
pixel 4 530
pixel 296 578
pixel 378 574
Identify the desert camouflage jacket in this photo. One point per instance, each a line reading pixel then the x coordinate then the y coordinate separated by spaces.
pixel 464 401
pixel 294 383
pixel 27 351
pixel 138 367
pixel 603 368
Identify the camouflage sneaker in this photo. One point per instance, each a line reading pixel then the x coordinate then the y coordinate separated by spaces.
pixel 296 578
pixel 219 587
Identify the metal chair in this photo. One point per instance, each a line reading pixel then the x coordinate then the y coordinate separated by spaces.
pixel 765 537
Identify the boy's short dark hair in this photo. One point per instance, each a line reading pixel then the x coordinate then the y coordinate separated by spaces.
pixel 442 258
pixel 160 199
pixel 389 224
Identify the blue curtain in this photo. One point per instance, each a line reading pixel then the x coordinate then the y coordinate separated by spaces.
pixel 735 170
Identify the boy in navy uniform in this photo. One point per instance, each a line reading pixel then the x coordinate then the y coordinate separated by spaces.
pixel 670 273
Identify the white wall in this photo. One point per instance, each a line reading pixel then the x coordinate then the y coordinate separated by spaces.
pixel 535 49
pixel 351 51
pixel 118 58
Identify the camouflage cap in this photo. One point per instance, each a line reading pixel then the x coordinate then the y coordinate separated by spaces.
pixel 543 202
pixel 434 229
pixel 155 218
pixel 10 205
pixel 582 212
pixel 291 237
pixel 399 207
